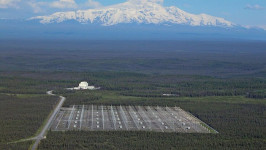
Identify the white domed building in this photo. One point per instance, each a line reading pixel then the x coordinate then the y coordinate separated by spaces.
pixel 84 86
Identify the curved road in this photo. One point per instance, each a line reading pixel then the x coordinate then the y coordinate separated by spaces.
pixel 41 136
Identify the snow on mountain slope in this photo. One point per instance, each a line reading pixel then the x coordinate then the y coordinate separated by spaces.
pixel 133 11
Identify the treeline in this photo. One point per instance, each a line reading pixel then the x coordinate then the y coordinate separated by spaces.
pixel 136 84
pixel 25 85
pixel 139 93
pixel 179 85
pixel 198 88
pixel 259 94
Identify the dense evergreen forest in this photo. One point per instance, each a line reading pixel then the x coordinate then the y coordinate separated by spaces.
pixel 212 58
pixel 21 115
pixel 221 82
pixel 239 119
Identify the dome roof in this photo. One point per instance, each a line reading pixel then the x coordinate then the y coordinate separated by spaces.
pixel 83 84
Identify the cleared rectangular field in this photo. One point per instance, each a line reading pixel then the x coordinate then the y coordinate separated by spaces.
pixel 131 118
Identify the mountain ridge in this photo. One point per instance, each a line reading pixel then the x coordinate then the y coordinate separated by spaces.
pixel 135 12
pixel 131 20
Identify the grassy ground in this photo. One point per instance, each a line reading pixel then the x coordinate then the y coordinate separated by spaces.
pixel 115 98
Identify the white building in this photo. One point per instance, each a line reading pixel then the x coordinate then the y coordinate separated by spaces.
pixel 84 86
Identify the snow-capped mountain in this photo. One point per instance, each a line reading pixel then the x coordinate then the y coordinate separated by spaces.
pixel 133 11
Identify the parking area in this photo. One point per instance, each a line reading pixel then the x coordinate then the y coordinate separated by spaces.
pixel 128 118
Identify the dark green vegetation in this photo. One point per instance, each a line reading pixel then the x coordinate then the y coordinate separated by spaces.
pixel 221 83
pixel 21 116
pixel 223 58
pixel 240 120
pixel 132 88
pixel 24 106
